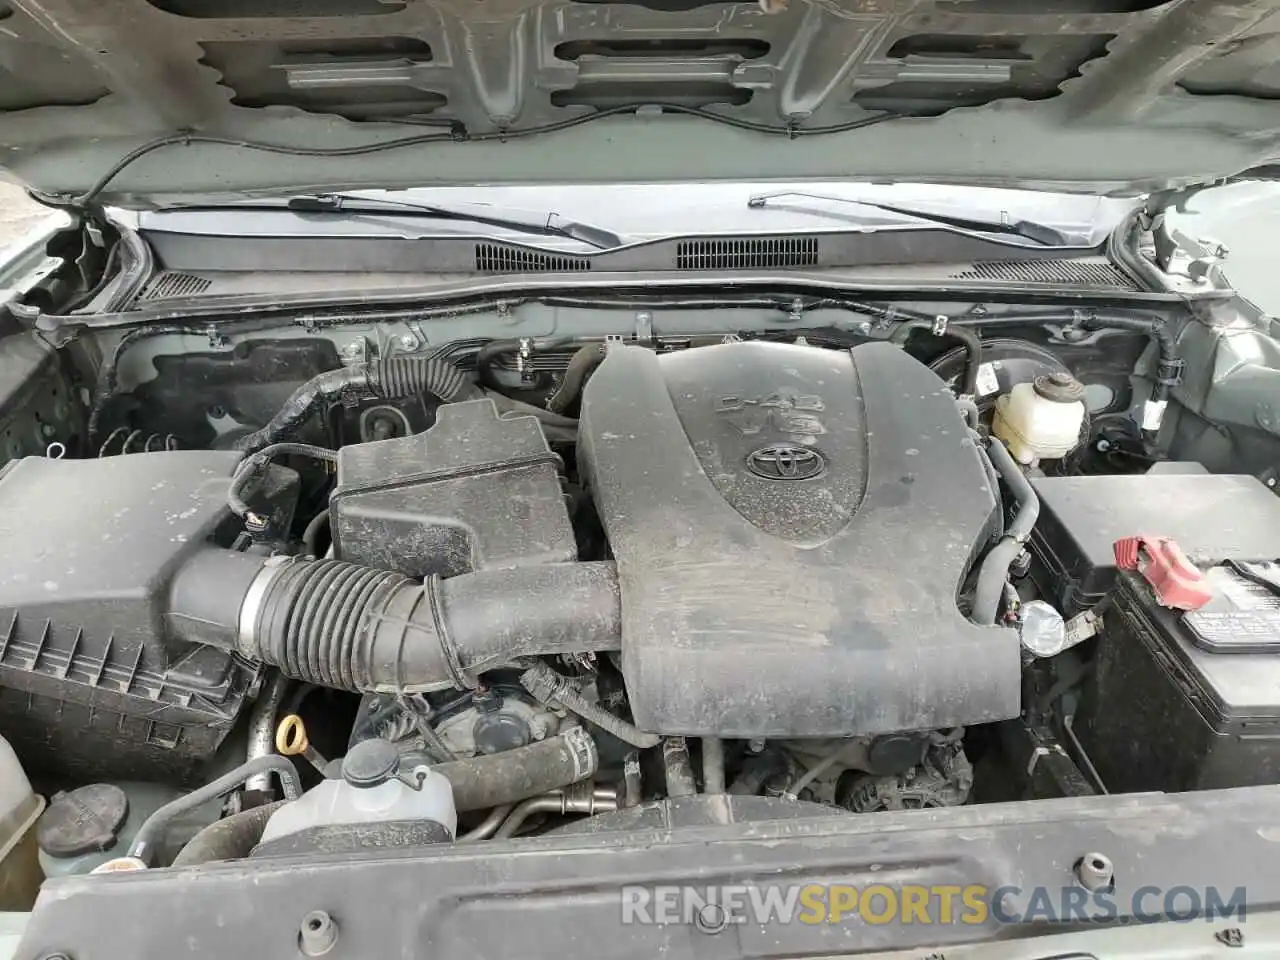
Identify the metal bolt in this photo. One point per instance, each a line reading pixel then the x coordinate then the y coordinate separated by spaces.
pixel 711 919
pixel 318 934
pixel 408 341
pixel 1095 871
pixel 756 745
pixel 1230 937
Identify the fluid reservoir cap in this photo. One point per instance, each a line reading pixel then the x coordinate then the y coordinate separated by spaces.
pixel 1059 386
pixel 496 732
pixel 370 763
pixel 895 753
pixel 85 820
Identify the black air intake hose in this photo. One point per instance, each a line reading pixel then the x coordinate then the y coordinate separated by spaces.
pixel 529 771
pixel 391 378
pixel 231 838
pixel 971 342
pixel 358 628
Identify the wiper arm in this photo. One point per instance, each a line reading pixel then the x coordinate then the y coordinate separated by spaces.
pixel 542 224
pixel 1028 229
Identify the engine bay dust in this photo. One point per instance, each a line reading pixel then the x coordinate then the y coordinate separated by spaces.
pixel 292 591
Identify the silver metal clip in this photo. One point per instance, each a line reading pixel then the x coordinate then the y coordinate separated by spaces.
pixel 644 328
pixel 524 360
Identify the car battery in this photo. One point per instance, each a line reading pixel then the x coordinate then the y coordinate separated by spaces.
pixel 1187 700
pixel 1210 516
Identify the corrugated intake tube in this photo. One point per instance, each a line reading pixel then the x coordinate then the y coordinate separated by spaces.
pixel 388 379
pixel 358 628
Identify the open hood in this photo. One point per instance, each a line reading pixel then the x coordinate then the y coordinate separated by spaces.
pixel 1088 95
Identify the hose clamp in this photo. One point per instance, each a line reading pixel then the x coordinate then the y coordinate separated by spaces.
pixel 251 605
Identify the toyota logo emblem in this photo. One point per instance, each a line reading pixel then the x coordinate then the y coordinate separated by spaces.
pixel 785 461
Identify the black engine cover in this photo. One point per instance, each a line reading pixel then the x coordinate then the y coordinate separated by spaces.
pixel 792 526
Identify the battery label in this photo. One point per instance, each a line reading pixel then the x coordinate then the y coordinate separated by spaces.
pixel 1242 617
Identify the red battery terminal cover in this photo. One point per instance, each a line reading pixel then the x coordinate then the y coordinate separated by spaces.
pixel 1177 582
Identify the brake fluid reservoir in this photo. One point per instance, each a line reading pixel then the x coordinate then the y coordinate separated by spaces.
pixel 374 789
pixel 1041 420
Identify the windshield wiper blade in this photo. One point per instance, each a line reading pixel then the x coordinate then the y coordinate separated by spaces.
pixel 548 224
pixel 1027 229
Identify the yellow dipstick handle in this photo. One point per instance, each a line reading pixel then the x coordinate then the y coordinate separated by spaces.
pixel 291 741
pixel 291 736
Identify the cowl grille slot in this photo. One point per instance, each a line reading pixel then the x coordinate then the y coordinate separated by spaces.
pixel 495 258
pixel 174 283
pixel 1046 271
pixel 746 253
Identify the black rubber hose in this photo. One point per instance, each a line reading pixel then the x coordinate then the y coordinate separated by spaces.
pixel 488 355
pixel 1170 371
pixel 581 366
pixel 994 571
pixel 251 470
pixel 551 688
pixel 358 628
pixel 109 373
pixel 971 341
pixel 390 379
pixel 757 770
pixel 231 838
pixel 311 535
pixel 513 775
pixel 144 842
pixel 678 768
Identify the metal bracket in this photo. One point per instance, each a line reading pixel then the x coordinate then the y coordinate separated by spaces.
pixel 524 360
pixel 644 328
pixel 1070 334
pixel 357 351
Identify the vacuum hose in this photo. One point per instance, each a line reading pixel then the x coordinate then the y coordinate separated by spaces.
pixel 358 628
pixel 391 378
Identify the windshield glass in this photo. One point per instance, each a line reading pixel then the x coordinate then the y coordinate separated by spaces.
pixel 640 212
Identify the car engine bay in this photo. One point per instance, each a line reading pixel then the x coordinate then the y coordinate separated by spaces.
pixel 292 587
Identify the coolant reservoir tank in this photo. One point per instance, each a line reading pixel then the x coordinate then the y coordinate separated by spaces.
pixel 1041 420
pixel 375 788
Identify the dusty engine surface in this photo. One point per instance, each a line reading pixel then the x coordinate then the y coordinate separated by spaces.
pixel 792 528
pixel 787 533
